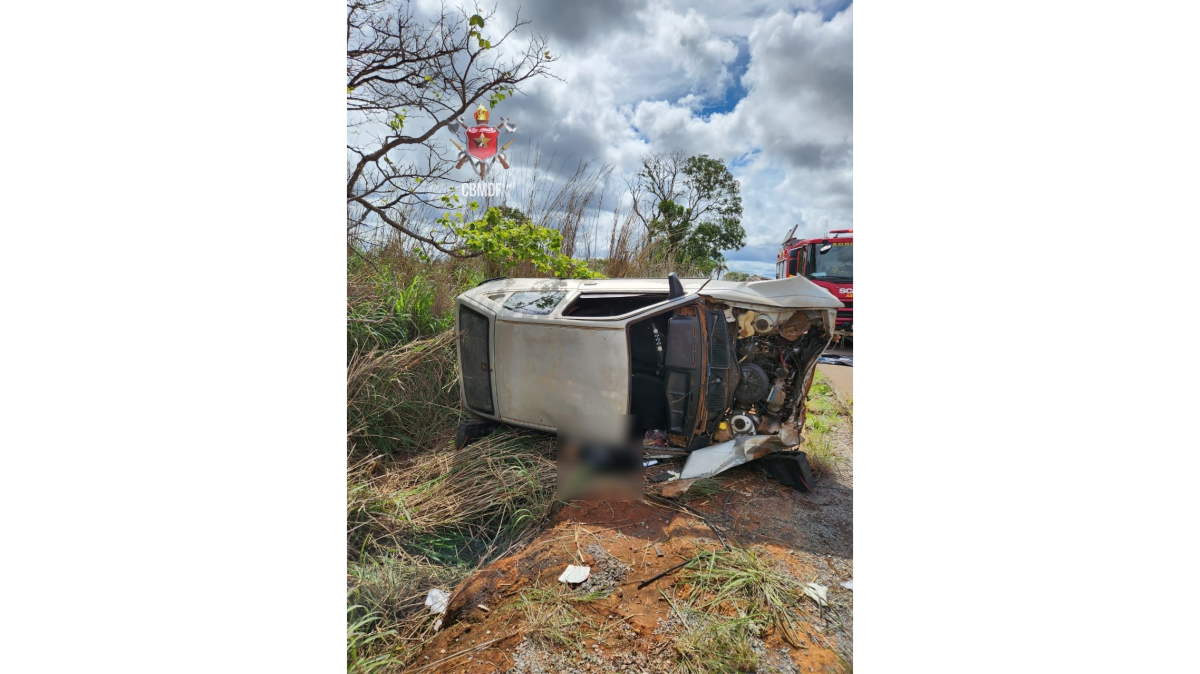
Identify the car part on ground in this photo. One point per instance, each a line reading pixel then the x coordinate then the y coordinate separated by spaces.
pixel 788 468
pixel 721 457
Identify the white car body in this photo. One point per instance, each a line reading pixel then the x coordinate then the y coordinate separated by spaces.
pixel 539 353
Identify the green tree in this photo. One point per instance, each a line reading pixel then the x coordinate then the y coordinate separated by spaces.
pixel 737 276
pixel 505 237
pixel 691 208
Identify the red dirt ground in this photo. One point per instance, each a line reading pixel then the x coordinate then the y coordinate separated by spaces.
pixel 809 532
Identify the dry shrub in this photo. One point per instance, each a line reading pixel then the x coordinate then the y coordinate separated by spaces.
pixel 503 483
pixel 420 521
pixel 405 398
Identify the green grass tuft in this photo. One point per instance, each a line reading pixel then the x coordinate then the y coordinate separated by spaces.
pixel 365 641
pixel 718 646
pixel 746 582
pixel 825 414
pixel 551 616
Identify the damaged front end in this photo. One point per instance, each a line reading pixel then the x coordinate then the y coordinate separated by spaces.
pixel 718 371
pixel 737 377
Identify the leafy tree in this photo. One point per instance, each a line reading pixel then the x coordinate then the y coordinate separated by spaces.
pixel 507 241
pixel 692 208
pixel 737 276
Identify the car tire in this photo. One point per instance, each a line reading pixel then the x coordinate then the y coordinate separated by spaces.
pixel 472 429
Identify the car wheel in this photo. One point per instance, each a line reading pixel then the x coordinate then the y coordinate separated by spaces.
pixel 471 429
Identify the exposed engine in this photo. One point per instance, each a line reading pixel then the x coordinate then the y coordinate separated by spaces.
pixel 775 354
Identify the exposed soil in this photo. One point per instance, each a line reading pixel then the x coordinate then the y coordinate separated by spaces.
pixel 627 542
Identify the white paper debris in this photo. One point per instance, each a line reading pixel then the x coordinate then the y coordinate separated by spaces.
pixel 818 593
pixel 436 600
pixel 575 574
pixel 848 584
pixel 647 464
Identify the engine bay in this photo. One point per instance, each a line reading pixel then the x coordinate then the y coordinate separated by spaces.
pixel 709 372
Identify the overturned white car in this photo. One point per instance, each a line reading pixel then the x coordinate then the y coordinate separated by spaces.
pixel 701 361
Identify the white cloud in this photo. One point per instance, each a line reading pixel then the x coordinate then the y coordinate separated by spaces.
pixel 638 76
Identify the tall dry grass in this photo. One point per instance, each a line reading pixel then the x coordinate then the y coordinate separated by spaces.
pixel 404 398
pixel 427 520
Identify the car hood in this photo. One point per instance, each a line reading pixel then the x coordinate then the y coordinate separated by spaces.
pixel 795 292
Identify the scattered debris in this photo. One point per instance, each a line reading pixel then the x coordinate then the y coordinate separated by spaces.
pixel 664 453
pixel 788 468
pixel 484 608
pixel 437 600
pixel 575 574
pixel 656 439
pixel 720 457
pixel 658 551
pixel 609 571
pixel 647 464
pixel 848 584
pixel 678 566
pixel 836 360
pixel 818 593
pixel 664 476
pixel 677 487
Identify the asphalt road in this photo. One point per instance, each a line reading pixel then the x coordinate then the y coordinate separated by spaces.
pixel 840 376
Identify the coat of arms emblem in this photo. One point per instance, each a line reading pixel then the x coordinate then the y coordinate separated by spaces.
pixel 483 142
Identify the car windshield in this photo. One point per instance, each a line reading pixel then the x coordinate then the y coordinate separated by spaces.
pixel 537 303
pixel 837 262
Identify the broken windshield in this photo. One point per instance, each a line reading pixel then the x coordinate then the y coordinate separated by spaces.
pixel 837 262
pixel 534 302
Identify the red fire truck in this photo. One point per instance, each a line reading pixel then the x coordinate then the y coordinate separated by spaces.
pixel 828 262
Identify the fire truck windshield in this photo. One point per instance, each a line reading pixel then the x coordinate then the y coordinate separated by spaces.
pixel 835 263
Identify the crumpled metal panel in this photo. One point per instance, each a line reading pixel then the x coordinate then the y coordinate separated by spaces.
pixel 722 456
pixel 795 292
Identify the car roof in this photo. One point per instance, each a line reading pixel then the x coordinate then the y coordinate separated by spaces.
pixel 650 285
pixel 792 292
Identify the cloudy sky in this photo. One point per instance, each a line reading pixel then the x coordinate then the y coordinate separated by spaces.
pixel 765 85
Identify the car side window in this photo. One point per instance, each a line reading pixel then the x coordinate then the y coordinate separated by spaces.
pixel 538 303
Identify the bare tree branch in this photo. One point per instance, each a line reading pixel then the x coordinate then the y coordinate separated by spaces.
pixel 407 77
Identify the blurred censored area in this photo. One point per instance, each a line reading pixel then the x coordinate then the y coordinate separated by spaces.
pixel 599 459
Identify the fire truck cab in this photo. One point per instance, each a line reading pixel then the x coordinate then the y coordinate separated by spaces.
pixel 827 262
